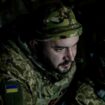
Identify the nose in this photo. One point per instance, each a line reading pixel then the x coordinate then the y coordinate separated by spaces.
pixel 70 54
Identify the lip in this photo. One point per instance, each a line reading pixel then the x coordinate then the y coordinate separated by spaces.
pixel 66 65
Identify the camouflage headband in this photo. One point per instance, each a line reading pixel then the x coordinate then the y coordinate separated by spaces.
pixel 60 23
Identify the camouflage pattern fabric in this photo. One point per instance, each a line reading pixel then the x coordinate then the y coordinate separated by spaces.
pixel 58 21
pixel 86 95
pixel 37 88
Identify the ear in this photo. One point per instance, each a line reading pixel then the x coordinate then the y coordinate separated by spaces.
pixel 33 43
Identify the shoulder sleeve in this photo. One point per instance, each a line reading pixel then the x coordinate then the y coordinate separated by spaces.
pixel 13 61
pixel 15 65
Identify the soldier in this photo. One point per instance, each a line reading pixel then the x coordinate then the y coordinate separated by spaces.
pixel 38 71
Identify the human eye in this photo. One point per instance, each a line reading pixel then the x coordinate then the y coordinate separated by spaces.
pixel 58 49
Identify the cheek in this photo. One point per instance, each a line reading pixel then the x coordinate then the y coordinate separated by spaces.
pixel 74 50
pixel 54 57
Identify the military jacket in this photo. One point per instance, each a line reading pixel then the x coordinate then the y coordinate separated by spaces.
pixel 21 83
pixel 88 95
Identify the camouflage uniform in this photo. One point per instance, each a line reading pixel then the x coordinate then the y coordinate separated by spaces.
pixel 87 94
pixel 22 78
pixel 36 88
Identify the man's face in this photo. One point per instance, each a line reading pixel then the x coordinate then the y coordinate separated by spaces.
pixel 61 53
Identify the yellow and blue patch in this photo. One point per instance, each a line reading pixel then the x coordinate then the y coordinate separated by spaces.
pixel 11 88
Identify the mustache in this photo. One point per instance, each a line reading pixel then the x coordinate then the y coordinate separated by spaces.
pixel 65 62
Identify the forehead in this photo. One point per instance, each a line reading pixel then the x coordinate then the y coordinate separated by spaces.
pixel 66 42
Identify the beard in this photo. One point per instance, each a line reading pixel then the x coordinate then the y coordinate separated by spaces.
pixel 65 67
pixel 62 68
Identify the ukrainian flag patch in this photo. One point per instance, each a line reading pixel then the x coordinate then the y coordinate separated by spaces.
pixel 11 88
